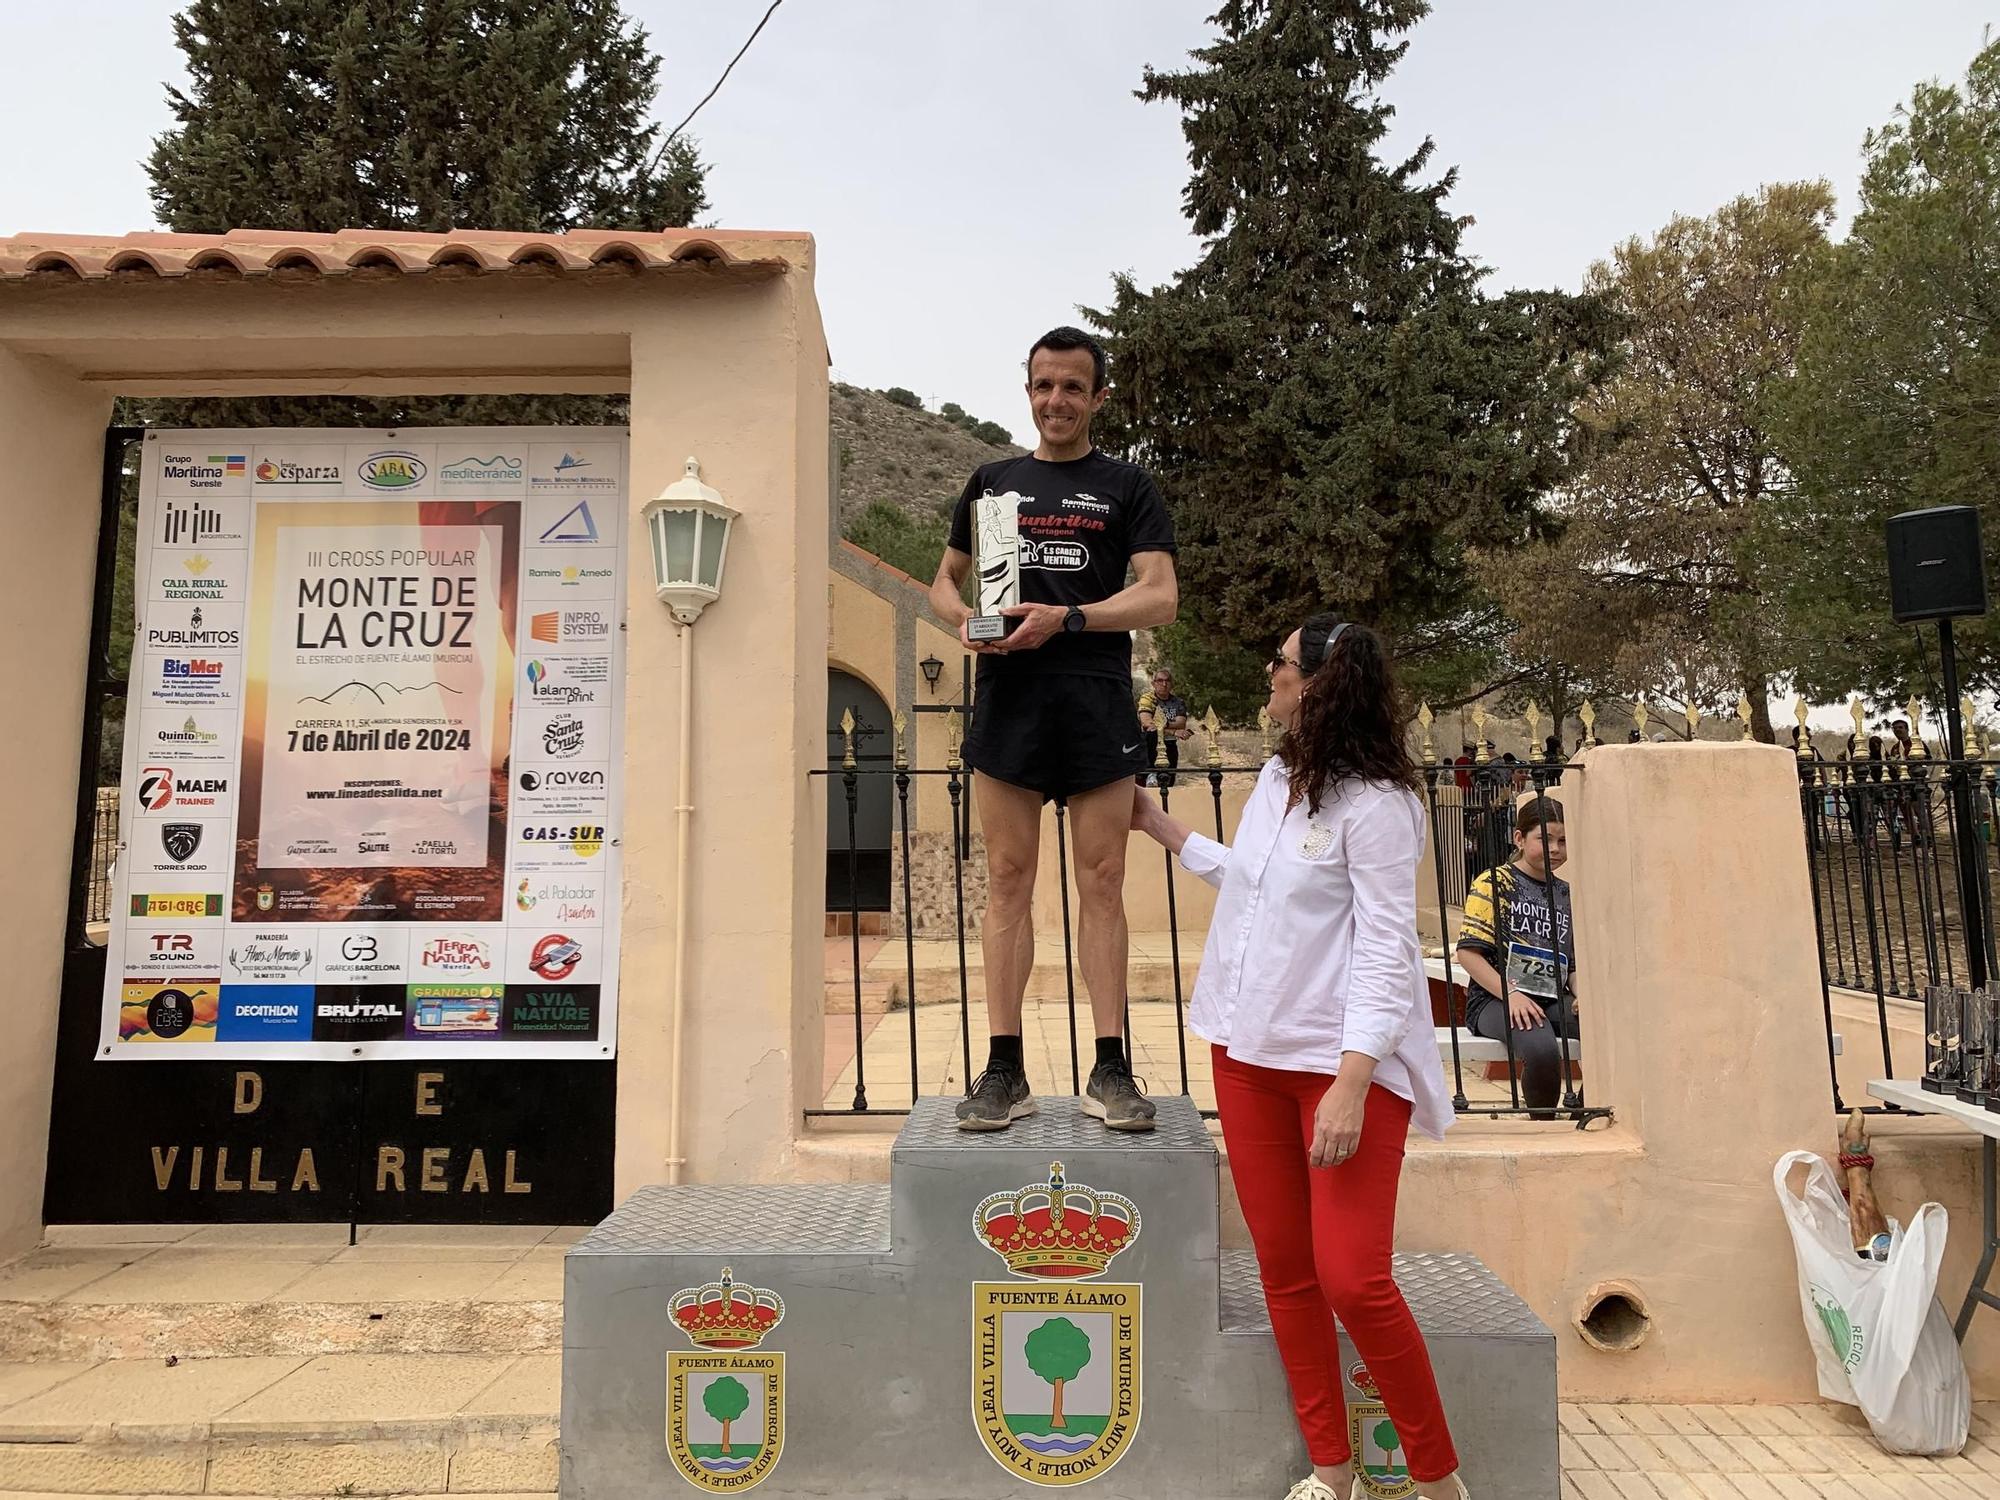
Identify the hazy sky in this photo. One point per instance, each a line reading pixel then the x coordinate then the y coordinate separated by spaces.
pixel 975 169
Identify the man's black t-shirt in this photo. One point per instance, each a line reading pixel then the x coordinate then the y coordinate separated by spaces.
pixel 1081 522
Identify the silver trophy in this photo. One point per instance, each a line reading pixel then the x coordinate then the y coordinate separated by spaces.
pixel 996 543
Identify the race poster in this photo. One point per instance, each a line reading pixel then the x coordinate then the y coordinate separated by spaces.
pixel 372 764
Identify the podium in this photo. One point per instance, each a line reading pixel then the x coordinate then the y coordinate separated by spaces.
pixel 1044 1307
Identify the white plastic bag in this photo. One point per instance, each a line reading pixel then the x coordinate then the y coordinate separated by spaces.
pixel 1880 1338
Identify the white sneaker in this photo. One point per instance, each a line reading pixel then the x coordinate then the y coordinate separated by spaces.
pixel 1312 1487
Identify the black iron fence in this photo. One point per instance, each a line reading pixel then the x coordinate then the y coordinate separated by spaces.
pixel 900 995
pixel 103 853
pixel 1896 849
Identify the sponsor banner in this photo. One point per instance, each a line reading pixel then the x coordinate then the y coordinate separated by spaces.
pixel 265 1013
pixel 486 470
pixel 373 762
pixel 559 900
pixel 551 792
pixel 173 906
pixel 560 845
pixel 395 469
pixel 570 575
pixel 549 681
pixel 555 955
pixel 459 955
pixel 289 473
pixel 192 629
pixel 583 628
pixel 197 680
pixel 179 851
pixel 209 470
pixel 165 790
pixel 452 1010
pixel 173 950
pixel 261 955
pixel 192 575
pixel 575 469
pixel 579 732
pixel 357 1013
pixel 171 1010
pixel 353 954
pixel 176 736
pixel 551 1010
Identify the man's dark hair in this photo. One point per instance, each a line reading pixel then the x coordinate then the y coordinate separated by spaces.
pixel 1066 338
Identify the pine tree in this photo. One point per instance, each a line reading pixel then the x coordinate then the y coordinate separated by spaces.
pixel 426 115
pixel 418 114
pixel 1333 407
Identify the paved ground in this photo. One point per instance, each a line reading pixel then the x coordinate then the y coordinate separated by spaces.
pixel 1817 1452
pixel 314 1401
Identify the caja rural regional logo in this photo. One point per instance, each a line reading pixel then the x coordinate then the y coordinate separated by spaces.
pixel 726 1397
pixel 1056 1356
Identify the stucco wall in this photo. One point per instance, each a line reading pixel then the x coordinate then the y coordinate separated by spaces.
pixel 51 454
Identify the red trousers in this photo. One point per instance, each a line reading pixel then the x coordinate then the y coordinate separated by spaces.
pixel 1323 1238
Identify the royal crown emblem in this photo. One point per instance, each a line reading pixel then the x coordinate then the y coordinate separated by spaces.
pixel 723 1315
pixel 1056 1229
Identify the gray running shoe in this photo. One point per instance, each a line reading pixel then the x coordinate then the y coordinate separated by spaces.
pixel 1113 1097
pixel 998 1098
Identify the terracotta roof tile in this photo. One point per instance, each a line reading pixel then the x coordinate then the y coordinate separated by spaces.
pixel 389 252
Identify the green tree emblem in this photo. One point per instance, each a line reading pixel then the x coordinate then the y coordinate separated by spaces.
pixel 1387 1440
pixel 1057 1351
pixel 725 1400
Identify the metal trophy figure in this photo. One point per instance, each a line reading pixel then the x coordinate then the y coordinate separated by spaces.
pixel 997 540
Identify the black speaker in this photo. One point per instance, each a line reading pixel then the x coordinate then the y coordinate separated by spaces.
pixel 1936 567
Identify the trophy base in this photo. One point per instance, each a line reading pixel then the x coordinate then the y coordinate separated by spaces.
pixel 1937 1085
pixel 989 627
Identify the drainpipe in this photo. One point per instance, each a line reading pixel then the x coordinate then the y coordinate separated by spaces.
pixel 683 817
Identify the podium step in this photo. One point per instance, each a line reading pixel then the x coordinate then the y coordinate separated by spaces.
pixel 1042 1306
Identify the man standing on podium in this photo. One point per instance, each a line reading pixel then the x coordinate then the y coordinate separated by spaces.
pixel 1052 715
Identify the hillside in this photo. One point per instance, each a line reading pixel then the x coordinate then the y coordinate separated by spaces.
pixel 916 461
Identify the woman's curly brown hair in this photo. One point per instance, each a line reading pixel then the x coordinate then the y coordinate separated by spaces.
pixel 1353 718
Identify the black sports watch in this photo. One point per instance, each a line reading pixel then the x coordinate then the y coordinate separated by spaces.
pixel 1073 620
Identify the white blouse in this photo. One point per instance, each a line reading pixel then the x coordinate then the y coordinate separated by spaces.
pixel 1313 949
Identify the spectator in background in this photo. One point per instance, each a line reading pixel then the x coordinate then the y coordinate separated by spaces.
pixel 1633 737
pixel 1518 947
pixel 1464 759
pixel 1161 712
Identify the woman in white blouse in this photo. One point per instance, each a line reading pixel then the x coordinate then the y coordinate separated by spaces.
pixel 1313 999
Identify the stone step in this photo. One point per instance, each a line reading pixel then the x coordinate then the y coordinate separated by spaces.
pixel 332 1425
pixel 283 1290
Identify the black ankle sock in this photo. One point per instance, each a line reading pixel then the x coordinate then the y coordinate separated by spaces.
pixel 1004 1052
pixel 1110 1049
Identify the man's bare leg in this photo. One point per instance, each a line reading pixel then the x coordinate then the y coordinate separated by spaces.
pixel 1010 817
pixel 1100 823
